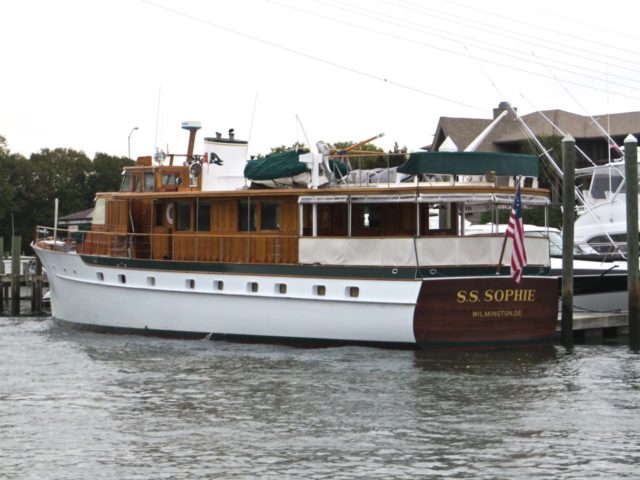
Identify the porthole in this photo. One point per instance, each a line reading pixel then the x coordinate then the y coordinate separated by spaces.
pixel 281 288
pixel 353 292
pixel 319 290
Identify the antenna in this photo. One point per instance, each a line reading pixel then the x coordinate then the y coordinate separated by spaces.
pixel 158 116
pixel 253 116
pixel 303 131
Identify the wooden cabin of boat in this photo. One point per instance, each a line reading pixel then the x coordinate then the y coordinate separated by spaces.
pixel 204 210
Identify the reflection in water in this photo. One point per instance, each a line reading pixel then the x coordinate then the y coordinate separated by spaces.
pixel 75 404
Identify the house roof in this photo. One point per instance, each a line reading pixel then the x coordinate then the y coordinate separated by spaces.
pixel 77 218
pixel 509 130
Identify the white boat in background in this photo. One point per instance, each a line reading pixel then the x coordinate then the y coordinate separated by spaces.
pixel 602 210
pixel 197 249
pixel 599 284
pixel 27 265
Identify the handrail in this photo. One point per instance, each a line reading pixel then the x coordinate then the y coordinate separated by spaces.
pixel 249 247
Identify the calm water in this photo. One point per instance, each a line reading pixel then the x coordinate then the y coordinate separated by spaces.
pixel 76 405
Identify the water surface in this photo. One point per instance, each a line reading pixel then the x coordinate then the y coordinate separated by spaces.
pixel 77 405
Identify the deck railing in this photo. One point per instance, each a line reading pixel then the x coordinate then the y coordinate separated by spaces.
pixel 192 247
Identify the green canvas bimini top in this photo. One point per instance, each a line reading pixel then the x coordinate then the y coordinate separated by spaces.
pixel 276 165
pixel 470 163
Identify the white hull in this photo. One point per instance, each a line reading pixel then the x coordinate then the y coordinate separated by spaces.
pixel 382 312
pixel 302 307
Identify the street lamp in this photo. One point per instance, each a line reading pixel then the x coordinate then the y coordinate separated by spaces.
pixel 129 141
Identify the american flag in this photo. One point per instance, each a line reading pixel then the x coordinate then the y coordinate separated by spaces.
pixel 515 230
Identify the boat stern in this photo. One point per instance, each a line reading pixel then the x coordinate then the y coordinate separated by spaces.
pixel 491 312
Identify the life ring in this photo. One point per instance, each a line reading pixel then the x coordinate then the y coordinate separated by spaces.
pixel 170 214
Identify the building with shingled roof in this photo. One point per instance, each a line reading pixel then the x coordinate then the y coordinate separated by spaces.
pixel 509 135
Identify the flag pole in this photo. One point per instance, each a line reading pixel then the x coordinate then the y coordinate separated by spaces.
pixel 504 242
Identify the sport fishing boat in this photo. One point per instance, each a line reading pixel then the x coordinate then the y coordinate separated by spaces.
pixel 301 249
pixel 602 217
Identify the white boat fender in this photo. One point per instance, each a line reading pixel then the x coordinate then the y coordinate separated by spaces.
pixel 170 214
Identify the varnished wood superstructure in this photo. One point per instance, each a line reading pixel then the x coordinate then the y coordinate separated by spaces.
pixel 182 223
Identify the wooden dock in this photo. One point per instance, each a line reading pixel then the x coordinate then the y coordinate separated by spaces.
pixel 598 328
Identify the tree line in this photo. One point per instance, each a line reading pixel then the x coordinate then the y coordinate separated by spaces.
pixel 28 186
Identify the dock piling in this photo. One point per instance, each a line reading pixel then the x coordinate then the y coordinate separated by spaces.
pixel 36 290
pixel 2 297
pixel 633 282
pixel 15 275
pixel 568 205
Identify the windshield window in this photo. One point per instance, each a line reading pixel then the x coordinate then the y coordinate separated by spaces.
pixel 125 186
pixel 555 246
pixel 602 183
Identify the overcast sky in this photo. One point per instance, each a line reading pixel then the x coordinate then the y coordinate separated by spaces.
pixel 82 74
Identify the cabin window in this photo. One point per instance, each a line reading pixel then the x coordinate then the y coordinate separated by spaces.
pixel 218 285
pixel 605 183
pixel 99 212
pixel 171 179
pixel 148 182
pixel 183 216
pixel 100 276
pixel 125 186
pixel 122 278
pixel 252 287
pixel 320 290
pixel 190 283
pixel 151 281
pixel 247 216
pixel 270 216
pixel 281 288
pixel 204 216
pixel 353 292
pixel 137 184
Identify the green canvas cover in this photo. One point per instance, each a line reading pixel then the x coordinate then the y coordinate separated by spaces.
pixel 276 165
pixel 470 163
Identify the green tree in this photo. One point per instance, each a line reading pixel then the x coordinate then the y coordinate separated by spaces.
pixel 15 176
pixel 298 147
pixel 61 173
pixel 6 190
pixel 365 156
pixel 106 175
pixel 28 187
